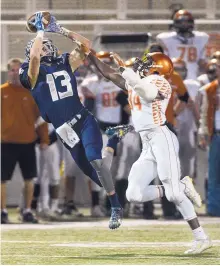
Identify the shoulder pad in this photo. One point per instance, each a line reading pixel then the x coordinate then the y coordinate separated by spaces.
pixel 166 35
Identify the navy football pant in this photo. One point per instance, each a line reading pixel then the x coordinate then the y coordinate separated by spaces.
pixel 89 148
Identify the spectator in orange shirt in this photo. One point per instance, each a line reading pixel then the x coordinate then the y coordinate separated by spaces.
pixel 19 128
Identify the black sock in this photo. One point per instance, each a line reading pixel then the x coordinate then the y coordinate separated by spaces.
pixel 95 198
pixel 36 195
pixel 36 191
pixel 120 187
pixel 114 201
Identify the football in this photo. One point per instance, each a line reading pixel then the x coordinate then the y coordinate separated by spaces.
pixel 31 19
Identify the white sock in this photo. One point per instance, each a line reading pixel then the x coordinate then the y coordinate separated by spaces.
pixel 4 210
pixel 160 191
pixel 199 233
pixel 54 204
pixel 27 210
pixel 45 202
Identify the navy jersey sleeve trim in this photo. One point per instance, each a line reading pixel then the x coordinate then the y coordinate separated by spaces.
pixel 23 74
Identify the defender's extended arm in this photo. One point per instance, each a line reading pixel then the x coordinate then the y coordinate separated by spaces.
pixel 107 71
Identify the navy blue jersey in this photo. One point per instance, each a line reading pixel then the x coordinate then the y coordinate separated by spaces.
pixel 55 91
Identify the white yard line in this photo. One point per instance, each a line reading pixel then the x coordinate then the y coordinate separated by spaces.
pixel 103 224
pixel 135 256
pixel 108 244
pixel 129 244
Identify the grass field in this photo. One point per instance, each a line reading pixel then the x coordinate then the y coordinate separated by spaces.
pixel 91 242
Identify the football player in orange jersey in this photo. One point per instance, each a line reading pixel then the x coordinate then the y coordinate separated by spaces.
pixel 185 43
pixel 149 93
pixel 178 87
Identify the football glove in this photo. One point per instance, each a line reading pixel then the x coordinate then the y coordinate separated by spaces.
pixel 55 27
pixel 38 23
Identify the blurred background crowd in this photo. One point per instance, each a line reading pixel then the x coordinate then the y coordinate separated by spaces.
pixel 38 174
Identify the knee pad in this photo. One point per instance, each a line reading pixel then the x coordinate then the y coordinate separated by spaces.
pixel 129 195
pixel 174 195
pixel 133 195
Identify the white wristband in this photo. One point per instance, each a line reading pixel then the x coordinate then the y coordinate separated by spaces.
pixel 40 34
pixel 65 31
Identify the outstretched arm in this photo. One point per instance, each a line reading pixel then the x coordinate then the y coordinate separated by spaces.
pixel 107 71
pixel 55 27
pixel 34 63
pixel 76 37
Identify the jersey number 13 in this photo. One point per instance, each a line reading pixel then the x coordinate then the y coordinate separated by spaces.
pixel 55 94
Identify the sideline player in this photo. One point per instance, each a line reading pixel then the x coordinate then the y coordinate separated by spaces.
pixel 187 115
pixel 53 85
pixel 185 43
pixel 149 93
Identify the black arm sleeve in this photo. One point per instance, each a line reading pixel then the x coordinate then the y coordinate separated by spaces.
pixel 184 98
pixel 89 104
pixel 122 99
pixel 107 71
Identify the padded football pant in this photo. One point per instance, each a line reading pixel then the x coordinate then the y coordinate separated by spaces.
pixel 159 157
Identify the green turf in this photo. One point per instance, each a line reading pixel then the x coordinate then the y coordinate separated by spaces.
pixel 44 253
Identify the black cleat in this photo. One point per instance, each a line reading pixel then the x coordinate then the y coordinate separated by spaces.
pixel 119 131
pixel 70 209
pixel 116 218
pixel 28 217
pixel 4 218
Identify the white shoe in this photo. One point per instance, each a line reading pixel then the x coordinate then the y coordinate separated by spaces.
pixel 44 213
pixel 97 212
pixel 191 192
pixel 199 246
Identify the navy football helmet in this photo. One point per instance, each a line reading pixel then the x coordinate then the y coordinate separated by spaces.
pixel 49 49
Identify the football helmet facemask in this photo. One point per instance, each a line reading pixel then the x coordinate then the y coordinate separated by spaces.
pixel 152 63
pixel 49 49
pixel 183 22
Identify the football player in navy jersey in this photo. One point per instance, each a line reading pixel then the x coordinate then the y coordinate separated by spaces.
pixel 51 80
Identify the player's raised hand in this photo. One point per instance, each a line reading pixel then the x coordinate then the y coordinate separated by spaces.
pixel 55 27
pixel 82 49
pixel 38 22
pixel 117 59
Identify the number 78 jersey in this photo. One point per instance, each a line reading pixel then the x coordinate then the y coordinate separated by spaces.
pixel 191 52
pixel 55 91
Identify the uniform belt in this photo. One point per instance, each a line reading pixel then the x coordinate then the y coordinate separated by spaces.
pixel 170 126
pixel 80 117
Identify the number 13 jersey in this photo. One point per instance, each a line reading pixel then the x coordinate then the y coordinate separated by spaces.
pixel 191 52
pixel 55 91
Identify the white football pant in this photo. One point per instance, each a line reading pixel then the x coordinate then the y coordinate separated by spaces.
pixel 159 157
pixel 48 164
